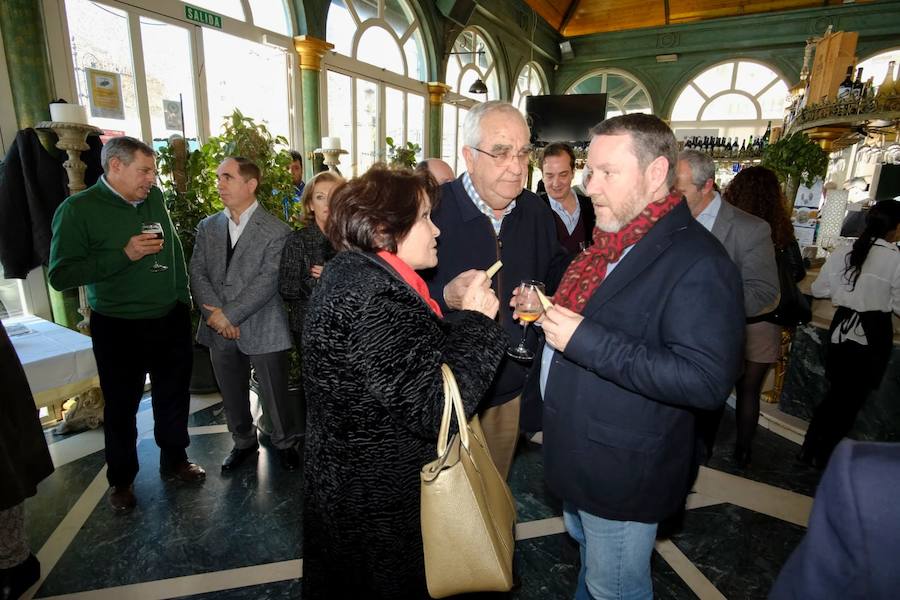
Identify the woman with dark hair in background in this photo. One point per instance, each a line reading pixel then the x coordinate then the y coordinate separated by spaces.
pixel 756 190
pixel 373 344
pixel 863 282
pixel 306 251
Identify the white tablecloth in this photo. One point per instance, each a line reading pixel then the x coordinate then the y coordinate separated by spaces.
pixel 53 356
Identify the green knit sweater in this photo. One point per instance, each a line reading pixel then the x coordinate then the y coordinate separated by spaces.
pixel 90 232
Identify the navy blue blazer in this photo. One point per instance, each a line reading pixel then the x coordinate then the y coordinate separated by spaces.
pixel 528 247
pixel 852 547
pixel 663 335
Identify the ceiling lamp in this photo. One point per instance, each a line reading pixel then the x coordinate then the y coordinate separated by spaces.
pixel 478 87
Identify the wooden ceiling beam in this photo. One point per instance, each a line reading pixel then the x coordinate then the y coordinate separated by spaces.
pixel 570 12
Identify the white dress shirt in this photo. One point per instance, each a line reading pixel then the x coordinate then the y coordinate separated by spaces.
pixel 570 220
pixel 236 229
pixel 707 218
pixel 877 289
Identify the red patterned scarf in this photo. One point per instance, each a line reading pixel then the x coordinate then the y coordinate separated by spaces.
pixel 588 268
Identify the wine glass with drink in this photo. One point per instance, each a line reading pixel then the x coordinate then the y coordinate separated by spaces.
pixel 529 309
pixel 157 230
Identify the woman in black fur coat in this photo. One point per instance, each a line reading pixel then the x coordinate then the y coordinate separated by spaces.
pixel 373 344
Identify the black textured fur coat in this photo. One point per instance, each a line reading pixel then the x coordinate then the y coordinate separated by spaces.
pixel 372 354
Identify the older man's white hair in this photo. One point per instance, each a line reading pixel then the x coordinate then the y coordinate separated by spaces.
pixel 471 130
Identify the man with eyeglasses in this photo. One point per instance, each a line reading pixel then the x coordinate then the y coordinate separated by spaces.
pixel 484 216
pixel 137 288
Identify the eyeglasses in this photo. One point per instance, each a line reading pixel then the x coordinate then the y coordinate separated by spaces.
pixel 502 158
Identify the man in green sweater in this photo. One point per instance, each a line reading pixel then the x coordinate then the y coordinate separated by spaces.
pixel 137 288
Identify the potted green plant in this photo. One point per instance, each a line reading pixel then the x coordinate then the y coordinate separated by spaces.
pixel 189 187
pixel 401 155
pixel 795 159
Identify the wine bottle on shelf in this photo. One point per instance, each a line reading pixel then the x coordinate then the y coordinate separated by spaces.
pixel 743 150
pixel 887 86
pixel 845 89
pixel 765 137
pixel 869 90
pixel 895 87
pixel 858 84
pixel 734 146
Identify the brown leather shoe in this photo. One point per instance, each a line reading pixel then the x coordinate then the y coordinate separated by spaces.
pixel 121 499
pixel 183 471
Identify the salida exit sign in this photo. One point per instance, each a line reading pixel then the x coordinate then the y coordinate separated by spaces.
pixel 203 17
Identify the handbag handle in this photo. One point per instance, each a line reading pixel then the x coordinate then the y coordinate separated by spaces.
pixel 452 400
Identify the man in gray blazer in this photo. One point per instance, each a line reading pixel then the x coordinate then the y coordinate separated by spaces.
pixel 234 279
pixel 746 238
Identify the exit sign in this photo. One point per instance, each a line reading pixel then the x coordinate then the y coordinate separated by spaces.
pixel 203 17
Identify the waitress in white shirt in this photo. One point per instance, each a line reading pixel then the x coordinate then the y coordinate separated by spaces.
pixel 863 282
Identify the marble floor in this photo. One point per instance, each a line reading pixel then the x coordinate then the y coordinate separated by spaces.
pixel 238 536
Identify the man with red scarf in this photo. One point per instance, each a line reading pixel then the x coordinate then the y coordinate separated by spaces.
pixel 647 325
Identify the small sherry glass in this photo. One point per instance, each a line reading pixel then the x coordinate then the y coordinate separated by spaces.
pixel 529 309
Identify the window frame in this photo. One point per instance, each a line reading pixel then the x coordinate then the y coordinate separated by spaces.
pixel 356 69
pixel 727 126
pixel 519 94
pixel 603 73
pixel 172 13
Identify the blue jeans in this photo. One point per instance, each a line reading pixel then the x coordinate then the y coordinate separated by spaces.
pixel 615 556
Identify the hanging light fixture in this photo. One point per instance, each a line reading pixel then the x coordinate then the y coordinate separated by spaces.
pixel 478 87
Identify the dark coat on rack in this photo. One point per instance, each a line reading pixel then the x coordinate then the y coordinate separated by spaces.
pixel 33 183
pixel 372 354
pixel 24 458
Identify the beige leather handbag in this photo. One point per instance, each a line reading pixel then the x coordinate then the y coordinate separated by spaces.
pixel 467 511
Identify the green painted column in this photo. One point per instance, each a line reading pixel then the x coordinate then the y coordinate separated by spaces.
pixel 311 50
pixel 312 132
pixel 29 75
pixel 26 59
pixel 436 92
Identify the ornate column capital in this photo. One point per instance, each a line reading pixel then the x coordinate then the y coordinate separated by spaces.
pixel 436 92
pixel 311 50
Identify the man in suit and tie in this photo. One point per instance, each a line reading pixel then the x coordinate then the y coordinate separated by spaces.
pixel 234 279
pixel 746 238
pixel 646 327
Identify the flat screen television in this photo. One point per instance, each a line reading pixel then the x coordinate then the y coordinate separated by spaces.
pixel 564 118
pixel 886 182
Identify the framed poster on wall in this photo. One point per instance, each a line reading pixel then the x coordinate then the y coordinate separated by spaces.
pixel 105 94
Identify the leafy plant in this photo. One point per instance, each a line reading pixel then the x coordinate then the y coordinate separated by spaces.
pixel 400 155
pixel 797 157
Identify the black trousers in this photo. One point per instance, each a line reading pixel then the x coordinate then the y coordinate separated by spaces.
pixel 851 378
pixel 127 350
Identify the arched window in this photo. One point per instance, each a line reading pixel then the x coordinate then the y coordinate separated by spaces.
pixel 469 61
pixel 624 93
pixel 876 66
pixel 735 98
pixel 530 82
pixel 373 79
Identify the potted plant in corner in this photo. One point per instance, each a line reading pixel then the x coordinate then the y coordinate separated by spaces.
pixel 795 159
pixel 189 187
